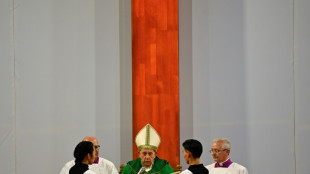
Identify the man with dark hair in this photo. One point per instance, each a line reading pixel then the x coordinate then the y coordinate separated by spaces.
pixel 192 150
pixel 100 165
pixel 84 154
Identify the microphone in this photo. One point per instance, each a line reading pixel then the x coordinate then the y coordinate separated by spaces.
pixel 141 170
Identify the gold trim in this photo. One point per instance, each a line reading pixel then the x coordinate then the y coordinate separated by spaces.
pixel 147 147
pixel 148 128
pixel 147 139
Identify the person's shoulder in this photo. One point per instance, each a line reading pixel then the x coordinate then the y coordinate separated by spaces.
pixel 162 165
pixel 186 171
pixel 101 159
pixel 236 165
pixel 162 162
pixel 106 166
pixel 70 163
pixel 89 172
pixel 210 166
pixel 240 167
pixel 138 160
pixel 65 169
pixel 133 165
pixel 159 160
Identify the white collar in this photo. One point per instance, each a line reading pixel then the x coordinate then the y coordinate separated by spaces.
pixel 148 169
pixel 221 164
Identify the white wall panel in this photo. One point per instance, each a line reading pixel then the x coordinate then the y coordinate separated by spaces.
pixel 302 79
pixel 7 104
pixel 242 80
pixel 125 82
pixel 219 75
pixel 185 74
pixel 270 92
pixel 55 75
pixel 108 78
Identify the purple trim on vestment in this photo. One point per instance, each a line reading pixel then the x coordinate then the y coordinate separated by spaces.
pixel 226 164
pixel 96 160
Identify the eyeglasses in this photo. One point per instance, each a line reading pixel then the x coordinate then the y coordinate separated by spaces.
pixel 97 147
pixel 216 150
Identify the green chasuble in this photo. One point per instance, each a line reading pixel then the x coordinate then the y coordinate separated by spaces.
pixel 159 167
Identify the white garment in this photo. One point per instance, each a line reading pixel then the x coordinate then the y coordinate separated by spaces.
pixel 89 172
pixel 233 168
pixel 186 172
pixel 104 166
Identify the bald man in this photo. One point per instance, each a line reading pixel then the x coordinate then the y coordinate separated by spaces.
pixel 100 165
pixel 220 151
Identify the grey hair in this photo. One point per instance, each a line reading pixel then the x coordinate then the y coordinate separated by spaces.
pixel 226 142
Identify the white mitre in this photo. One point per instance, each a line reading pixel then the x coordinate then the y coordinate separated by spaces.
pixel 148 138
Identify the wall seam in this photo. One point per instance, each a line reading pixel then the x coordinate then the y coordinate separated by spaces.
pixel 14 84
pixel 294 89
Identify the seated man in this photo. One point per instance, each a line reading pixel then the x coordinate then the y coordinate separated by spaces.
pixel 100 165
pixel 192 150
pixel 84 154
pixel 147 141
pixel 220 152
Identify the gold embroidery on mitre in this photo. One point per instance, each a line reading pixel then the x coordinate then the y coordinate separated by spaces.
pixel 147 138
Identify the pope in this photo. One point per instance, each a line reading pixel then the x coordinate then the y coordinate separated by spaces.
pixel 147 141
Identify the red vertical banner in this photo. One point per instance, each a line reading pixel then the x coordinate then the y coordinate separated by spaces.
pixel 155 71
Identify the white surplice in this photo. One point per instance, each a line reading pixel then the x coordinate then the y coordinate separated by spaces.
pixel 233 168
pixel 89 172
pixel 186 172
pixel 104 166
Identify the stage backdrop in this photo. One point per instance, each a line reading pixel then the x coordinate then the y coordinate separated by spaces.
pixel 156 73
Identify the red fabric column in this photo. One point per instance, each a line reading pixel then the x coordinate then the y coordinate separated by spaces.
pixel 155 70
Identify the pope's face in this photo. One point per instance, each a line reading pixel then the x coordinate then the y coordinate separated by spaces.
pixel 147 157
pixel 218 153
